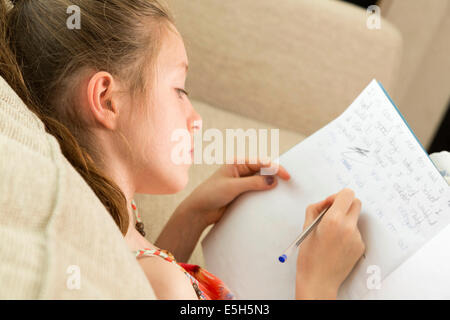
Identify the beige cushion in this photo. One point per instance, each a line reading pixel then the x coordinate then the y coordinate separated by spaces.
pixel 423 92
pixel 156 209
pixel 296 64
pixel 50 220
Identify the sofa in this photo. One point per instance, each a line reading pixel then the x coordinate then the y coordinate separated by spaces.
pixel 57 239
pixel 423 93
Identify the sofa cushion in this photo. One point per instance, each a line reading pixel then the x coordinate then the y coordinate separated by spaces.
pixel 423 92
pixel 157 209
pixel 295 63
pixel 52 226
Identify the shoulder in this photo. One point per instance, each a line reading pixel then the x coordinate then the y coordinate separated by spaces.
pixel 168 280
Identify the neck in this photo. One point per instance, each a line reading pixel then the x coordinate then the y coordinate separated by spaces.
pixel 118 169
pixel 123 179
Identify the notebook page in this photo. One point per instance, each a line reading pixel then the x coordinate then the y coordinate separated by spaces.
pixel 369 149
pixel 425 275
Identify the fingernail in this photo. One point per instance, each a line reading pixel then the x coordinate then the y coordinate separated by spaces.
pixel 269 180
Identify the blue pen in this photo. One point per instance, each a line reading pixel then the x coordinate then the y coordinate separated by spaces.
pixel 301 237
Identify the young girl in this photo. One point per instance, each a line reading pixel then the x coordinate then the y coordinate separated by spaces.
pixel 112 92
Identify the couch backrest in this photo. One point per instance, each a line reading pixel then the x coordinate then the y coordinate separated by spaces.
pixel 52 226
pixel 423 93
pixel 295 63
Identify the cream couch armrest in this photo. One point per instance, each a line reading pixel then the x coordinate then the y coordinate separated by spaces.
pixel 54 232
pixel 296 64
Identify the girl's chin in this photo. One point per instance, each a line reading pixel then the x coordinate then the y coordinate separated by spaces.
pixel 174 180
pixel 179 179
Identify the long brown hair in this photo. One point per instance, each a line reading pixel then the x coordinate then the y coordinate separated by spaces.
pixel 40 58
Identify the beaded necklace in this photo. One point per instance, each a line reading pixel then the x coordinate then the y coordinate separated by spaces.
pixel 139 225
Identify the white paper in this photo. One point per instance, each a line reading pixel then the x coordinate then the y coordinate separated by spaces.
pixel 425 275
pixel 369 149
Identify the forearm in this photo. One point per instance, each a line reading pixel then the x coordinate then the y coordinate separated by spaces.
pixel 181 233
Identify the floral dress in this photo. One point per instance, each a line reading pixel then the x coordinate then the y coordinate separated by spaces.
pixel 206 285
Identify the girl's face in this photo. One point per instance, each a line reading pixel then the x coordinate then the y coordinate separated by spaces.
pixel 165 112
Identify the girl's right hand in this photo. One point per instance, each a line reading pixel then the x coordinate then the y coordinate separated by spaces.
pixel 332 249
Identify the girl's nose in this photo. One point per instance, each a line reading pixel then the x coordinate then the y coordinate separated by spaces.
pixel 197 121
pixel 196 125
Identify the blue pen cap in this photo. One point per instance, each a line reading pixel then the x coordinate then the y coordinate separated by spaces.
pixel 282 258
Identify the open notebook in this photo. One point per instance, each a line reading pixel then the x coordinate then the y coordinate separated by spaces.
pixel 404 219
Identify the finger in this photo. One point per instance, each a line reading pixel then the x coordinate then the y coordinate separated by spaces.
pixel 342 203
pixel 278 169
pixel 354 211
pixel 282 173
pixel 253 165
pixel 314 210
pixel 253 183
pixel 248 167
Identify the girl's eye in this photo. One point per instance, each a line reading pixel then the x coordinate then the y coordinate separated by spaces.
pixel 182 91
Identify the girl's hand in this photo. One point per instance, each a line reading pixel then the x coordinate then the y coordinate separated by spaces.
pixel 211 198
pixel 330 252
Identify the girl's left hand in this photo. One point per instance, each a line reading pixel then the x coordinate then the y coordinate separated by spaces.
pixel 210 199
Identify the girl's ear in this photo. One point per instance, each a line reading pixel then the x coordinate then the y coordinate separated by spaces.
pixel 101 104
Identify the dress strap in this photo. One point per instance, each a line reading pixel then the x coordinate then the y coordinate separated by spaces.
pixel 166 255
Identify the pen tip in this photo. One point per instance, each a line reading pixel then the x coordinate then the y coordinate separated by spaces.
pixel 282 258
